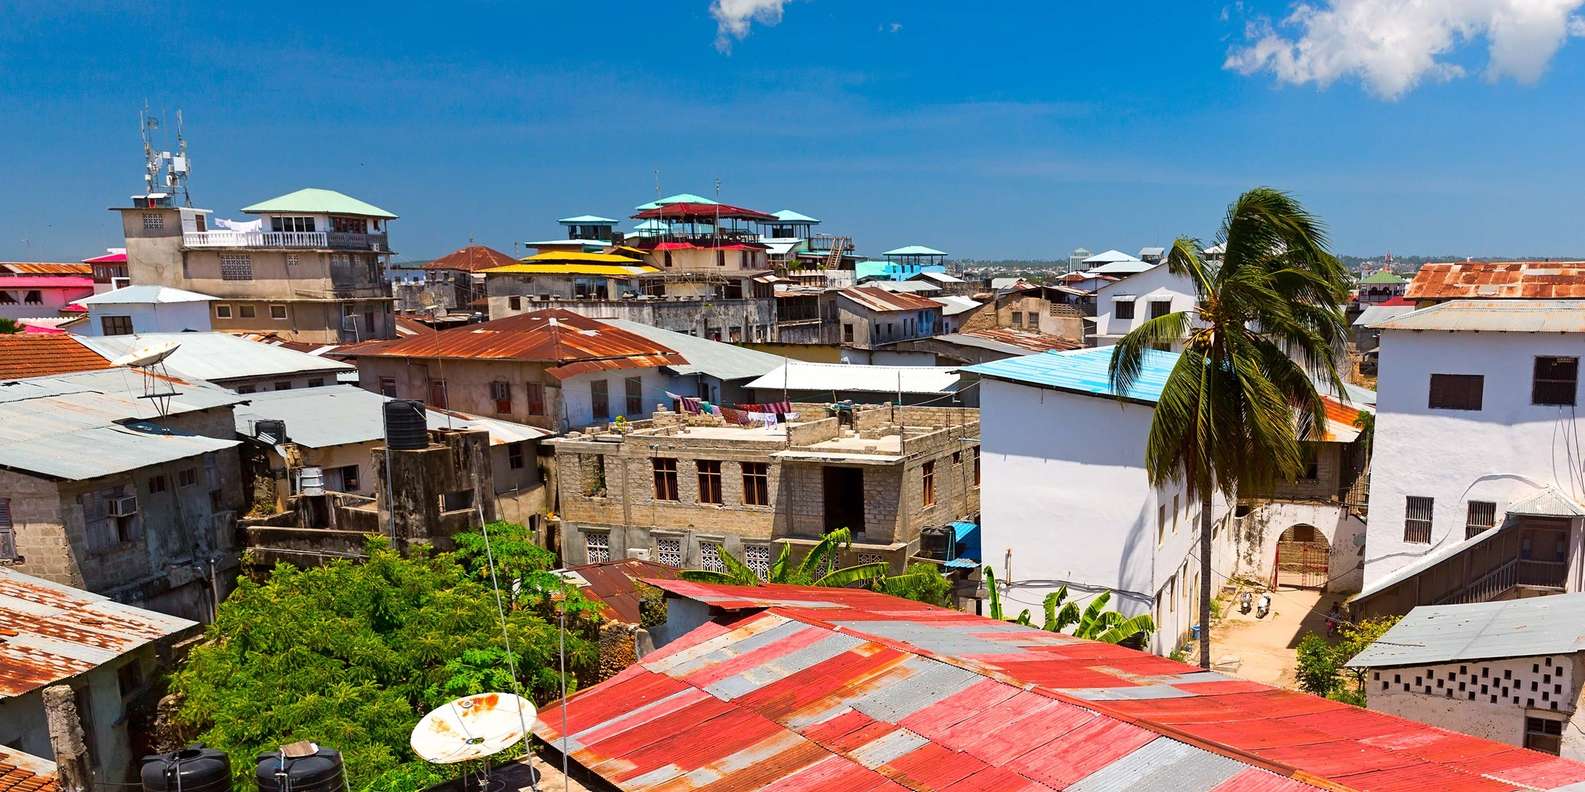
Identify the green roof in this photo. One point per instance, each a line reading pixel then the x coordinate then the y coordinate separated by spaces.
pixel 313 200
pixel 1383 277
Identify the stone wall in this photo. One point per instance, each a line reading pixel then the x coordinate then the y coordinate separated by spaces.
pixel 419 482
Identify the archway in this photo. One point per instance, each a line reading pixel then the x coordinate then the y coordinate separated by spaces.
pixel 1302 557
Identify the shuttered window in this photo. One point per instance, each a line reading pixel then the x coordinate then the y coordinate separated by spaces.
pixel 501 394
pixel 709 481
pixel 1417 519
pixel 8 542
pixel 1482 516
pixel 1556 379
pixel 535 393
pixel 665 479
pixel 1456 391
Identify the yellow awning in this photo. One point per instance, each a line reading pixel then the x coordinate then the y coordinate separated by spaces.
pixel 573 255
pixel 613 270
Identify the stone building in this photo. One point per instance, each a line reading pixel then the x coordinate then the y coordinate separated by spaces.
pixel 105 489
pixel 310 268
pixel 871 317
pixel 1052 310
pixel 678 489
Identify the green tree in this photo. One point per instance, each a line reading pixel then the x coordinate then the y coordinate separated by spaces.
pixel 1323 666
pixel 921 582
pixel 352 655
pixel 1093 622
pixel 1265 320
pixel 8 326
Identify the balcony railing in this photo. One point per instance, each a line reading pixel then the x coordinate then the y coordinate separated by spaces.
pixel 283 239
pixel 1547 574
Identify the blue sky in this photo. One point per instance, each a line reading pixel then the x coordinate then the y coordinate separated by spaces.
pixel 1018 130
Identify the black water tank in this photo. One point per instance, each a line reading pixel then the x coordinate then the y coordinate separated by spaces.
pixel 406 425
pixel 316 772
pixel 192 769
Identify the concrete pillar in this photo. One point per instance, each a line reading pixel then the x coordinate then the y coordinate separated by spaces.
pixel 66 739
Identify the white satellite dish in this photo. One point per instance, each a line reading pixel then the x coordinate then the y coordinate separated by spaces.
pixel 148 355
pixel 472 727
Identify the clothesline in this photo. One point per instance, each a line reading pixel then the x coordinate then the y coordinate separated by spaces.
pixel 767 415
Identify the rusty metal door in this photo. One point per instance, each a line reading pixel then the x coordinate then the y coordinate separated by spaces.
pixel 1302 558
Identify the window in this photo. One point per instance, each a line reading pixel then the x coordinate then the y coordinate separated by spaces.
pixel 668 550
pixel 1482 516
pixel 129 677
pixel 291 259
pixel 597 546
pixel 187 477
pixel 292 224
pixel 535 395
pixel 1555 380
pixel 349 478
pixel 709 481
pixel 1034 321
pixel 957 457
pixel 1456 391
pixel 437 392
pixel 847 333
pixel 1310 460
pixel 1123 309
pixel 757 558
pixel 388 387
pixel 600 400
pixel 976 466
pixel 710 557
pixel 278 312
pixel 316 382
pixel 720 258
pixel 1543 734
pixel 501 394
pixel 246 388
pixel 929 480
pixel 246 312
pixel 156 484
pixel 283 385
pixel 235 266
pixel 1161 523
pixel 1417 520
pixel 222 311
pixel 756 483
pixel 348 225
pixel 115 325
pixel 33 297
pixel 635 396
pixel 1160 308
pixel 7 299
pixel 665 479
pixel 514 456
pixel 153 221
pixel 456 500
pixel 8 541
pixel 515 302
pixel 1175 512
pixel 1018 318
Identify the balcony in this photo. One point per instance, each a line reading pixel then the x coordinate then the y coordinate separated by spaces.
pixel 284 239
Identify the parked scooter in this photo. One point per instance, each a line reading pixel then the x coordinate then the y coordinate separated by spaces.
pixel 1246 601
pixel 1265 605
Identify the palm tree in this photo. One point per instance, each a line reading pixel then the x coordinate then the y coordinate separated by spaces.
pixel 1094 622
pixel 811 570
pixel 1266 320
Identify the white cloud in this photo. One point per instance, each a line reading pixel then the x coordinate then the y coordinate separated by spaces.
pixel 1393 45
pixel 733 18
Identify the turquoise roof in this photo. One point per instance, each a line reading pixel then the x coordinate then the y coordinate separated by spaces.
pixel 314 200
pixel 678 198
pixel 586 220
pixel 870 269
pixel 914 250
pixel 1081 371
pixel 789 216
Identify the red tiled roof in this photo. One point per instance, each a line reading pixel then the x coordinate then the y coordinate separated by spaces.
pixel 472 258
pixel 1034 342
pixel 796 688
pixel 20 772
pixel 613 585
pixel 877 299
pixel 1535 280
pixel 576 343
pixel 24 355
pixel 46 268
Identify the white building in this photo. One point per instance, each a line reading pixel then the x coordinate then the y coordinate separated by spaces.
pixel 1499 670
pixel 1123 305
pixel 146 309
pixel 1066 499
pixel 1477 429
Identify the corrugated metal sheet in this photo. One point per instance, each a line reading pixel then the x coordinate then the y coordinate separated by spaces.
pixel 218 357
pixel 613 584
pixel 841 689
pixel 49 267
pixel 1480 631
pixel 1495 316
pixel 1082 371
pixel 472 258
pixel 1013 342
pixel 50 632
pixel 1501 279
pixel 798 375
pixel 711 358
pixel 549 336
pixel 877 299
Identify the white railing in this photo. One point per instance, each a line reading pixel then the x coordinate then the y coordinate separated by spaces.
pixel 273 239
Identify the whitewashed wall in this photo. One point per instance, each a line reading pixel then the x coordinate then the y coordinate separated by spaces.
pixel 1153 284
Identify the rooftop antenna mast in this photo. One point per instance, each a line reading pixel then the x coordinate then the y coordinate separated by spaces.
pixel 175 165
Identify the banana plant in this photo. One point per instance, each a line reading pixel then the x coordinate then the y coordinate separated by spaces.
pixel 1093 622
pixel 811 570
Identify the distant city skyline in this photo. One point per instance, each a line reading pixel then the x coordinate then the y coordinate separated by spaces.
pixel 1018 134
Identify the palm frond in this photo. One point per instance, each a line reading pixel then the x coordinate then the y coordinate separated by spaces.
pixel 707 576
pixel 1051 604
pixel 1094 609
pixel 778 570
pixel 1125 628
pixel 855 574
pixel 829 545
pixel 1128 356
pixel 743 573
pixel 995 595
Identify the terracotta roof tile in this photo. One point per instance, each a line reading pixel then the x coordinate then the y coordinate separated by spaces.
pixel 24 355
pixel 1535 280
pixel 472 258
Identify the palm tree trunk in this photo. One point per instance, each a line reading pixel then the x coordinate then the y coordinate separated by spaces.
pixel 1205 581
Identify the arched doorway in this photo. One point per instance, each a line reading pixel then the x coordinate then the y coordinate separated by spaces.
pixel 1302 558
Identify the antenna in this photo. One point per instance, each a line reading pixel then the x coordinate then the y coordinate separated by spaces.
pixel 149 362
pixel 163 169
pixel 473 727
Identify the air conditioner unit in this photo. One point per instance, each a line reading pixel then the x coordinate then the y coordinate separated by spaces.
pixel 638 553
pixel 124 507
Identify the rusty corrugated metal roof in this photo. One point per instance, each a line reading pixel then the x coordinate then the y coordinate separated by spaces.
pixel 50 632
pixel 877 299
pixel 1024 339
pixel 613 584
pixel 1498 279
pixel 46 268
pixel 23 772
pixel 819 688
pixel 24 355
pixel 472 258
pixel 578 344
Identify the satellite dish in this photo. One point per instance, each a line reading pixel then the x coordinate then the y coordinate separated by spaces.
pixel 472 727
pixel 146 356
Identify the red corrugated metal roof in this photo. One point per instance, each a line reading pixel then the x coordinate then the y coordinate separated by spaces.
pixel 472 258
pixel 699 211
pixel 108 258
pixel 50 632
pixel 817 688
pixel 613 585
pixel 47 267
pixel 74 282
pixel 1538 280
pixel 24 355
pixel 877 299
pixel 576 343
